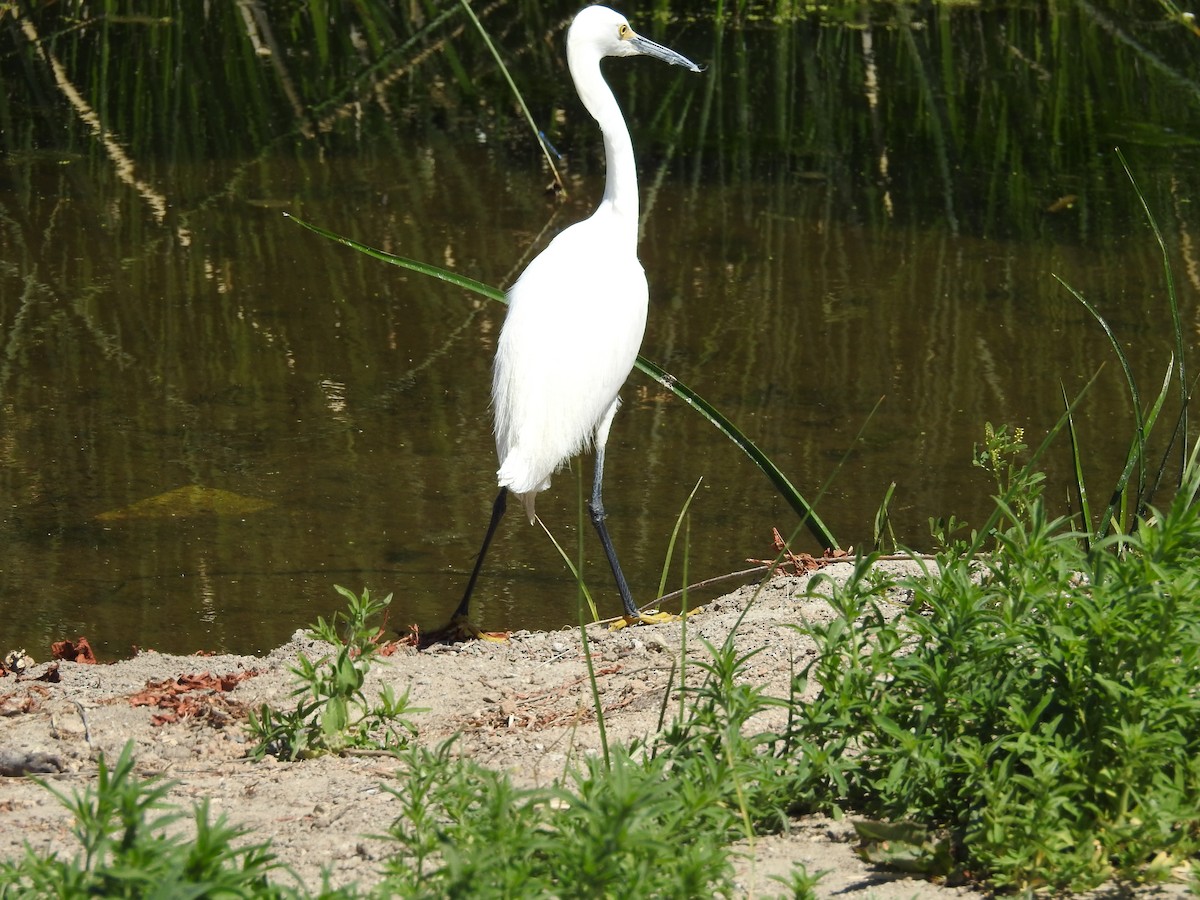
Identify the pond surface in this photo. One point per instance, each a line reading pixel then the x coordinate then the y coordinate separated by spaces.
pixel 852 233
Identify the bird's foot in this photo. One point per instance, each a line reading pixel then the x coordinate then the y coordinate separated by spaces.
pixel 643 618
pixel 461 628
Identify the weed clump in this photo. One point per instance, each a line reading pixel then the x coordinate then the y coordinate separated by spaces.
pixel 1037 704
pixel 607 829
pixel 121 825
pixel 332 713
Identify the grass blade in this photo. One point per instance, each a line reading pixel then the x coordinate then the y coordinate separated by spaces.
pixel 404 262
pixel 1137 452
pixel 662 581
pixel 1077 464
pixel 883 519
pixel 587 595
pixel 1172 299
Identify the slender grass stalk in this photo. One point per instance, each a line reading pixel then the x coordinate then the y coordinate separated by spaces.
pixel 595 687
pixel 516 93
pixel 806 511
pixel 1144 498
pixel 683 617
pixel 1180 421
pixel 1123 507
pixel 580 530
pixel 575 573
pixel 825 487
pixel 740 791
pixel 1081 494
pixel 581 596
pixel 1130 381
pixel 666 700
pixel 662 581
pixel 1143 423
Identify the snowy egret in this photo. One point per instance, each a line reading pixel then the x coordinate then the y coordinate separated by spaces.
pixel 576 315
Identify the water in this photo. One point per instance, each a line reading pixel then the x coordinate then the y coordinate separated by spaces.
pixel 857 288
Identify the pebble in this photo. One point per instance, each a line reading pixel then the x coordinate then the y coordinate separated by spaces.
pixel 657 642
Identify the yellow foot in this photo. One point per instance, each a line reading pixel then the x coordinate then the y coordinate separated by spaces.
pixel 646 618
pixel 462 628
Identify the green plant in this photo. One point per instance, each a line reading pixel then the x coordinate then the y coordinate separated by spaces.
pixel 1018 486
pixel 1037 703
pixel 653 819
pixel 713 748
pixel 1131 496
pixel 125 851
pixel 616 827
pixel 332 713
pixel 800 884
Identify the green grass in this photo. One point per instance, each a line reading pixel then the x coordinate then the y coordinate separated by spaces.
pixel 601 831
pixel 1038 703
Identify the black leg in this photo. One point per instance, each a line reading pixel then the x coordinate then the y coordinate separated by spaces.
pixel 596 509
pixel 497 514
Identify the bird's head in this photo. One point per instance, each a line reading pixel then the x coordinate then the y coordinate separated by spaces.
pixel 598 31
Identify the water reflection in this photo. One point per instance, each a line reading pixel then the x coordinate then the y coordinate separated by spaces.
pixel 795 280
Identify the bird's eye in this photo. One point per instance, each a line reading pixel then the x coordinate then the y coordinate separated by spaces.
pixel 624 32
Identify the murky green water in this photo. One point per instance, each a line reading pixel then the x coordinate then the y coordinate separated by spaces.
pixel 834 214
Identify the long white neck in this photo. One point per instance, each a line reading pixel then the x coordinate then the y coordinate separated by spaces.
pixel 620 183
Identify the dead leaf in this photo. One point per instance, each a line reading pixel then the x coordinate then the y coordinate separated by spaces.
pixel 78 650
pixel 12 705
pixel 788 563
pixel 192 696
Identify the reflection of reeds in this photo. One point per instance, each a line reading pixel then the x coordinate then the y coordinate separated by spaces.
pixel 123 164
pixel 782 98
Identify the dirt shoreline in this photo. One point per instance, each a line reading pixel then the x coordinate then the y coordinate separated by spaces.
pixel 523 706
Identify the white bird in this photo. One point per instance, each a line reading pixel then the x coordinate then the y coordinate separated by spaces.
pixel 577 313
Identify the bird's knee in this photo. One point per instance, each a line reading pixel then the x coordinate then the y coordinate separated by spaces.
pixel 596 511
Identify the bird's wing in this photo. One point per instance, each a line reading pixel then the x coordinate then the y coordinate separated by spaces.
pixel 574 325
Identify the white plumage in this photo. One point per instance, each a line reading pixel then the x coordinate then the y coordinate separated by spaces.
pixel 549 402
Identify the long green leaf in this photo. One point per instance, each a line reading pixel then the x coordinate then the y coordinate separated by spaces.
pixel 404 262
pixel 1172 300
pixel 1081 494
pixel 786 489
pixel 1137 452
pixel 662 581
pixel 575 573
